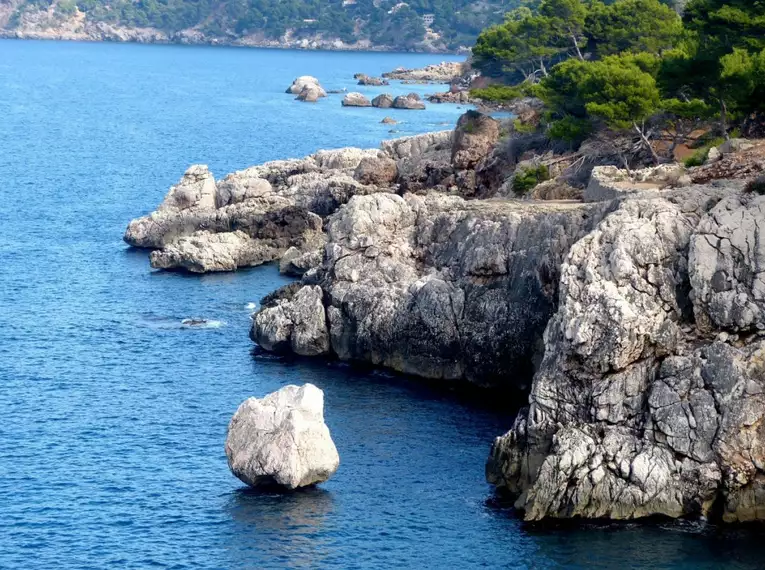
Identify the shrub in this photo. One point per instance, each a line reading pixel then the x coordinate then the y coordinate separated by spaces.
pixel 528 178
pixel 502 93
pixel 704 145
pixel 570 129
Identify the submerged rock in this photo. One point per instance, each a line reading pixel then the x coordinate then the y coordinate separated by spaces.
pixel 282 439
pixel 368 80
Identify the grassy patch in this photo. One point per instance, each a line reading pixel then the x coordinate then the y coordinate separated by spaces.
pixel 528 178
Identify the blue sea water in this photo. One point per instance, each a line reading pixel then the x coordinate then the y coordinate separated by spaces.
pixel 113 415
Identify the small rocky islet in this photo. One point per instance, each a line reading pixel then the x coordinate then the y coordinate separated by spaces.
pixel 634 308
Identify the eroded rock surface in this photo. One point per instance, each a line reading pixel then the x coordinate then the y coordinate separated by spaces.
pixel 282 439
pixel 649 399
pixel 255 215
pixel 434 285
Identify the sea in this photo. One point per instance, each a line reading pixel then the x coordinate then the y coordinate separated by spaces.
pixel 113 413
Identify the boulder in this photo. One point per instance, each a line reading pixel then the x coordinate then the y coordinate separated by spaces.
pixel 311 94
pixel 282 440
pixel 388 120
pixel 305 81
pixel 473 139
pixel 293 321
pixel 411 101
pixel 555 190
pixel 384 101
pixel 355 99
pixel 380 171
pixel 296 263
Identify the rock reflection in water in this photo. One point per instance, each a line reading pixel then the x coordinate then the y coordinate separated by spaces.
pixel 288 528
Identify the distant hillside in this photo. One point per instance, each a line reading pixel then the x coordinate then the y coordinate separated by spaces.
pixel 428 25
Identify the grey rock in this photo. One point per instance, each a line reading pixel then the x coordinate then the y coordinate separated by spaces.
pixel 437 286
pixel 384 101
pixel 299 84
pixel 473 139
pixel 293 321
pixel 634 411
pixel 355 99
pixel 609 182
pixel 296 263
pixel 727 265
pixel 282 439
pixel 411 101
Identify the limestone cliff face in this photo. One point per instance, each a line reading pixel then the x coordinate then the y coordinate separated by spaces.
pixel 438 286
pixel 650 396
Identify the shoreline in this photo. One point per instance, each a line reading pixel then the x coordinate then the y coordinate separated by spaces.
pixel 9 35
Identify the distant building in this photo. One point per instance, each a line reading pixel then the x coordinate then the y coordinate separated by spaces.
pixel 427 20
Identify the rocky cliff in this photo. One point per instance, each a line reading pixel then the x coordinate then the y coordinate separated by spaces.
pixel 650 399
pixel 636 319
pixel 431 285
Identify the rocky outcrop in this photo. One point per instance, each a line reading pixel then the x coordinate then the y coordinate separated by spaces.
pixel 252 216
pixel 364 79
pixel 443 72
pixel 306 82
pixel 355 99
pixel 432 285
pixel 473 139
pixel 411 101
pixel 311 94
pixel 458 97
pixel 256 215
pixel 649 399
pixel 610 182
pixel 383 101
pixel 282 440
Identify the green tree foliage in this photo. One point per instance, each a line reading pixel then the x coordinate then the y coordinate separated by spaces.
pixel 632 25
pixel 458 21
pixel 615 91
pixel 720 51
pixel 527 42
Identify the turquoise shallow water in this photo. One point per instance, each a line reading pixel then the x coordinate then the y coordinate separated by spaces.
pixel 112 416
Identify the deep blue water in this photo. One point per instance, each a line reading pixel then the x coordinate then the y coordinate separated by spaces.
pixel 113 416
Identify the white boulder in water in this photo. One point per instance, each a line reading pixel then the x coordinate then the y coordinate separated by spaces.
pixel 282 439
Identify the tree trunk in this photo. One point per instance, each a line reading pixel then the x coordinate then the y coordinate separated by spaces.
pixel 576 45
pixel 542 67
pixel 647 143
pixel 724 118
